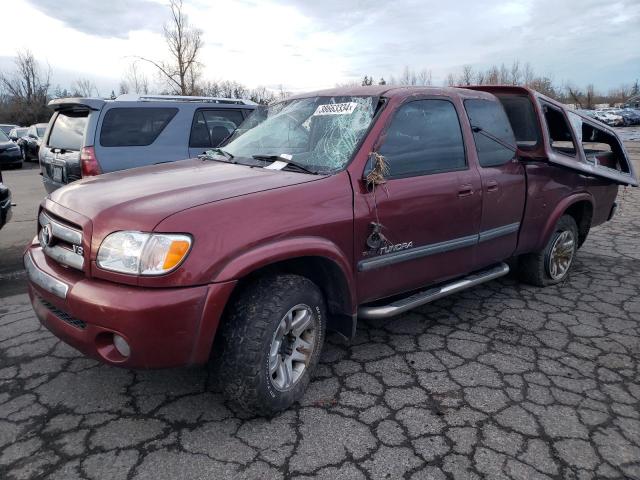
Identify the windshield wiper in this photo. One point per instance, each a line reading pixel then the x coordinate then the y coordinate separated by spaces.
pixel 287 160
pixel 217 152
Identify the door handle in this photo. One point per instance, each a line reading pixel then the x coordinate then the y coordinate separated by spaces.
pixel 492 186
pixel 465 191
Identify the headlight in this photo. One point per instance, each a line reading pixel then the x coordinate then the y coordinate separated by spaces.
pixel 140 253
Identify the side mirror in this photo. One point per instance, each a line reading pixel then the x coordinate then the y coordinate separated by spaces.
pixel 376 171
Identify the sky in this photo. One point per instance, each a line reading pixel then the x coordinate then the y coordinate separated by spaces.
pixel 311 44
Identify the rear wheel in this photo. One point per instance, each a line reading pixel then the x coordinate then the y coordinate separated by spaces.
pixel 270 343
pixel 552 264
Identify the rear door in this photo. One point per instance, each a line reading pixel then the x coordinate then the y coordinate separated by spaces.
pixel 211 126
pixel 60 152
pixel 503 181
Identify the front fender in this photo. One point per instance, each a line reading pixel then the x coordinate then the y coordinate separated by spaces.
pixel 557 212
pixel 286 249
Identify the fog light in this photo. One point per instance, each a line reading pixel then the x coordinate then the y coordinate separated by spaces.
pixel 121 345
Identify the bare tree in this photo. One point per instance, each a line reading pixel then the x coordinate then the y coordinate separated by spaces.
pixel 450 80
pixel 26 90
pixel 467 75
pixel 134 80
pixel 527 75
pixel 182 71
pixel 84 87
pixel 28 83
pixel 515 73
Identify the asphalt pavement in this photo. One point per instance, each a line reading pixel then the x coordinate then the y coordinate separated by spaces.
pixel 27 191
pixel 501 381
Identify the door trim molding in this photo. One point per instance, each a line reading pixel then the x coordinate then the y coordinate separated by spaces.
pixel 435 248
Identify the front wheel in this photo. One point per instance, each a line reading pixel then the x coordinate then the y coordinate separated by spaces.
pixel 552 264
pixel 270 343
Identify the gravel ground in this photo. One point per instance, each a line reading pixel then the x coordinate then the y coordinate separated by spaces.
pixel 502 381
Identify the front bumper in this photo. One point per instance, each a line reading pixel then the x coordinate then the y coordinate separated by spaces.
pixel 164 327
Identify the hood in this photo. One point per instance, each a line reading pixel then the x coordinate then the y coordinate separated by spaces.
pixel 142 197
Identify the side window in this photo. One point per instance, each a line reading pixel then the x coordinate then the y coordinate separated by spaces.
pixel 211 127
pixel 488 119
pixel 32 132
pixel 134 127
pixel 599 146
pixel 424 137
pixel 559 131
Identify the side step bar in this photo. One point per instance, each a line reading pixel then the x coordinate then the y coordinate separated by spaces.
pixel 431 294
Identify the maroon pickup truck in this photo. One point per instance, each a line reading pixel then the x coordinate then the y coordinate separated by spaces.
pixel 325 208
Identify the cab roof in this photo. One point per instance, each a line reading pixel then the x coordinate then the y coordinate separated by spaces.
pixel 388 91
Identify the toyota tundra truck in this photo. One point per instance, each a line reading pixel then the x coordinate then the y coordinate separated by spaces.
pixel 323 209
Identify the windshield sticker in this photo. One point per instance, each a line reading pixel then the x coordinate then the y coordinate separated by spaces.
pixel 335 109
pixel 277 165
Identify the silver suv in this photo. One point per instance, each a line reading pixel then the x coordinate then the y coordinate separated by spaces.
pixel 90 136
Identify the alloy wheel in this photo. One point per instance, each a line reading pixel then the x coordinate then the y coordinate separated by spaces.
pixel 561 255
pixel 292 347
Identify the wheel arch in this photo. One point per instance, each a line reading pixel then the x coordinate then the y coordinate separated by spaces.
pixel 579 206
pixel 315 258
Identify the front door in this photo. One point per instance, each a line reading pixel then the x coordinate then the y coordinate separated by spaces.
pixel 428 210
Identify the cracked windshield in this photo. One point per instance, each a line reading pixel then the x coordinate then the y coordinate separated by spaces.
pixel 319 133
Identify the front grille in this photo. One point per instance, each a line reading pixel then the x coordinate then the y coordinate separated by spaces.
pixel 64 316
pixel 61 241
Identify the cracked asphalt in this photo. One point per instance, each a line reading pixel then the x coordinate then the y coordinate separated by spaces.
pixel 501 381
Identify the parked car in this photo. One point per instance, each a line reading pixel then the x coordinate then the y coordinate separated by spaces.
pixel 30 143
pixel 6 127
pixel 630 116
pixel 9 152
pixel 17 133
pixel 5 203
pixel 611 118
pixel 345 204
pixel 89 136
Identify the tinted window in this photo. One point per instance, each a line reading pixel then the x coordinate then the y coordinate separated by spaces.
pixel 490 118
pixel 523 119
pixel 3 136
pixel 559 132
pixel 211 127
pixel 41 131
pixel 134 127
pixel 68 130
pixel 424 137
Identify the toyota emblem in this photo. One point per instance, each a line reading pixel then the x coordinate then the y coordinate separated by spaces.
pixel 45 235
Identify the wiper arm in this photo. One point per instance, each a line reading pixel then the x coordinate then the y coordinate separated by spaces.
pixel 286 159
pixel 217 152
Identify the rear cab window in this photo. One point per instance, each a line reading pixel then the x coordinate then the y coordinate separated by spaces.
pixel 523 119
pixel 492 133
pixel 134 127
pixel 67 131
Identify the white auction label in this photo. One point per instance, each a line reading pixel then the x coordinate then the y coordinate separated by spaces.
pixel 335 109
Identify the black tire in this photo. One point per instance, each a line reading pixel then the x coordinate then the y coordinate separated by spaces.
pixel 535 269
pixel 245 340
